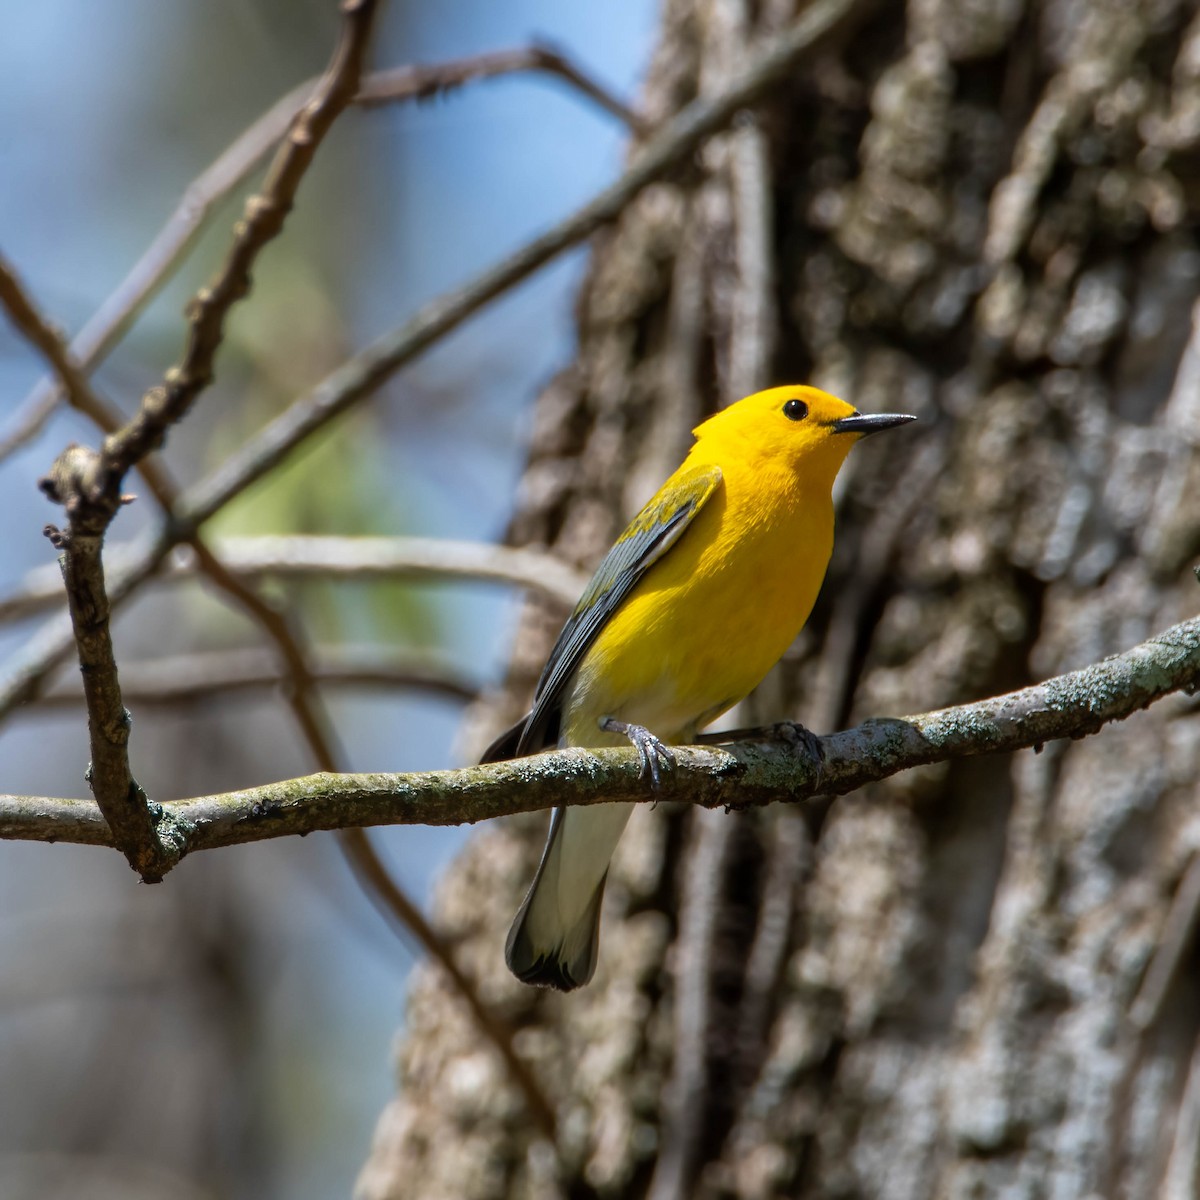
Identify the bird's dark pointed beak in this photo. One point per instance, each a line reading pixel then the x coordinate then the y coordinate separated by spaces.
pixel 864 423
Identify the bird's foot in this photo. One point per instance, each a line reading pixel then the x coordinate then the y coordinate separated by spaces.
pixel 650 749
pixel 800 738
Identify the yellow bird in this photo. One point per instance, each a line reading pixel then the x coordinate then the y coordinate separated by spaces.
pixel 693 605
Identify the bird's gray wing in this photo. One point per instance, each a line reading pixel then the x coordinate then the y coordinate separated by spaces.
pixel 646 539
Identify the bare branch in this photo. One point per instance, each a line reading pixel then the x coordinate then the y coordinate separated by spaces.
pixel 421 81
pixel 117 793
pixel 395 904
pixel 743 775
pixel 300 556
pixel 187 679
pixel 37 330
pixel 75 386
pixel 117 314
pixel 263 220
pixel 328 557
pixel 109 775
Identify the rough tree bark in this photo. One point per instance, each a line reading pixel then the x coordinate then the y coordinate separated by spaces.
pixel 973 980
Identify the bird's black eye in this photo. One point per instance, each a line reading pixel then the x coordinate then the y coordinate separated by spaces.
pixel 795 410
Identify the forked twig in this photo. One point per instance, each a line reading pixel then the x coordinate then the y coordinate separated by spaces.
pixel 88 484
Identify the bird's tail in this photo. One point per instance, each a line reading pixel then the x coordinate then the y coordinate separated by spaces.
pixel 556 933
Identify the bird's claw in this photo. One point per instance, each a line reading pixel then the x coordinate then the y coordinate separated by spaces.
pixel 801 738
pixel 650 749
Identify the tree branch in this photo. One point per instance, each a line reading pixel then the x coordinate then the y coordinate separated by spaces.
pixel 419 81
pixel 395 905
pixel 742 775
pixel 188 679
pixel 38 331
pixel 263 220
pixel 303 556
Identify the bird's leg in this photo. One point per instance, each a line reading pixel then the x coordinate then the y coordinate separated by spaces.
pixel 649 748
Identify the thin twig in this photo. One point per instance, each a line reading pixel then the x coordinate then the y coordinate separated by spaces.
pixel 1177 936
pixel 744 775
pixel 35 329
pixel 292 556
pixel 685 1099
pixel 188 679
pixel 395 905
pixel 80 394
pixel 262 221
pixel 421 80
pixel 109 774
pixel 117 314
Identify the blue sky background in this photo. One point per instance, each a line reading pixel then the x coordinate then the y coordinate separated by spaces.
pixel 109 110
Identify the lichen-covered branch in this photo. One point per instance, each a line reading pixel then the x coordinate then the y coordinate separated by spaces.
pixel 742 775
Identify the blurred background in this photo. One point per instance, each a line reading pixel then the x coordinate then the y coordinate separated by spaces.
pixel 239 1018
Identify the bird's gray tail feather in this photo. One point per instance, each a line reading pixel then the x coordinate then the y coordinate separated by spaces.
pixel 555 937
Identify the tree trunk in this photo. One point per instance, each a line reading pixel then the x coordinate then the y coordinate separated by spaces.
pixel 972 980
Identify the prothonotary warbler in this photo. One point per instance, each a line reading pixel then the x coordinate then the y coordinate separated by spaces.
pixel 698 599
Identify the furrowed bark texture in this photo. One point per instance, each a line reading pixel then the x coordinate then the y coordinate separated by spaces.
pixel 985 214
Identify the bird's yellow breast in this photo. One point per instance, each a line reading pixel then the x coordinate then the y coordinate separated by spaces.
pixel 710 619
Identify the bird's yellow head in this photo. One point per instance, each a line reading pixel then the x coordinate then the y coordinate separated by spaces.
pixel 801 429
